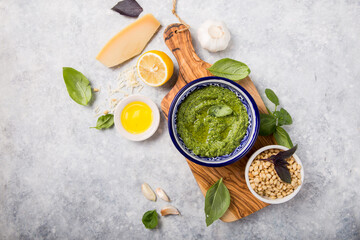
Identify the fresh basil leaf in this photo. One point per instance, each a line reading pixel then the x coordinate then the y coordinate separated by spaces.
pixel 230 68
pixel 104 121
pixel 282 137
pixel 77 85
pixel 267 124
pixel 217 201
pixel 284 117
pixel 283 172
pixel 272 96
pixel 269 112
pixel 219 111
pixel 150 219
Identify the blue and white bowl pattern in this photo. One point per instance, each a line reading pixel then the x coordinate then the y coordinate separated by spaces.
pixel 251 133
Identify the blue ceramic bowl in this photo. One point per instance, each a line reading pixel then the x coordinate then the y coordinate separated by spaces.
pixel 251 133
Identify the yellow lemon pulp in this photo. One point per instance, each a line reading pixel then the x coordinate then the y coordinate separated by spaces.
pixel 155 68
pixel 136 117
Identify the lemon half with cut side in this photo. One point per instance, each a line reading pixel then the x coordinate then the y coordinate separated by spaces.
pixel 155 68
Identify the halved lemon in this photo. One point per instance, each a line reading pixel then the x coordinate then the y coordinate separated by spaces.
pixel 155 68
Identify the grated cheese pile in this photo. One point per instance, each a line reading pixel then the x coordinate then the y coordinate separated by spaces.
pixel 126 83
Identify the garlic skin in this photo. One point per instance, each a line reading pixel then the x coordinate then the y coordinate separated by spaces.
pixel 213 35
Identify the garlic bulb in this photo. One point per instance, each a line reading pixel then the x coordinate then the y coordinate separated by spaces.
pixel 213 35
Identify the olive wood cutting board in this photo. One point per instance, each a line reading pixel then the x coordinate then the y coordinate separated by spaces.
pixel 191 67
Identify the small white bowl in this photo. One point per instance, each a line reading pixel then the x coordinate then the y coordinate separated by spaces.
pixel 266 199
pixel 141 136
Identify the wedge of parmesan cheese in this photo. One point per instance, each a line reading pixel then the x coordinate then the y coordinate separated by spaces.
pixel 129 42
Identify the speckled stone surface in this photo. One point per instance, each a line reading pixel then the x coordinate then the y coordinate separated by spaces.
pixel 61 180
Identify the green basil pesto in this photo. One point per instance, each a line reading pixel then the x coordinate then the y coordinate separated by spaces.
pixel 204 133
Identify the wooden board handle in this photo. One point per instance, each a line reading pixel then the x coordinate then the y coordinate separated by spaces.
pixel 180 44
pixel 191 66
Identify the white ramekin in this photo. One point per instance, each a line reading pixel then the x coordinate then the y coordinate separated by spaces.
pixel 141 136
pixel 266 199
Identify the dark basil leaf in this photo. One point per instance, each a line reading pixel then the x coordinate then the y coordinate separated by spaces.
pixel 219 111
pixel 150 219
pixel 128 8
pixel 284 117
pixel 267 124
pixel 230 68
pixel 217 201
pixel 283 172
pixel 77 85
pixel 280 161
pixel 272 96
pixel 282 137
pixel 104 121
pixel 286 154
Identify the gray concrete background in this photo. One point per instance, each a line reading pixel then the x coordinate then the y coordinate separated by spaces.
pixel 61 180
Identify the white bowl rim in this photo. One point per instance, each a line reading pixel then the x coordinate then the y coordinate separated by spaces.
pixel 154 125
pixel 265 199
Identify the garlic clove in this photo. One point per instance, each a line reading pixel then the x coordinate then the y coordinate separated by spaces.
pixel 162 195
pixel 214 35
pixel 169 210
pixel 148 192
